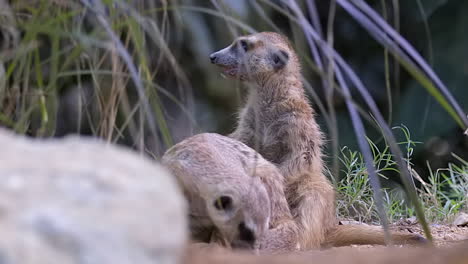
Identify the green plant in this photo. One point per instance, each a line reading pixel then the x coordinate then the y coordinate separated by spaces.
pixel 443 195
pixel 446 191
pixel 99 51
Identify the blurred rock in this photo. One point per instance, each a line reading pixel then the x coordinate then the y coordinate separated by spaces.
pixel 461 220
pixel 81 201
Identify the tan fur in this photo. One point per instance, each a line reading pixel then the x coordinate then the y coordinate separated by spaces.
pixel 344 235
pixel 279 123
pixel 209 166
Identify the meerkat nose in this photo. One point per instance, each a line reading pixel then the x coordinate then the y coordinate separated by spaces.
pixel 246 234
pixel 213 57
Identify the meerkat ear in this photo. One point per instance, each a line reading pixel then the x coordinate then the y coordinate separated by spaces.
pixel 280 59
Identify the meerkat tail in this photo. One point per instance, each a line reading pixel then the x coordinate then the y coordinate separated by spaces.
pixel 345 235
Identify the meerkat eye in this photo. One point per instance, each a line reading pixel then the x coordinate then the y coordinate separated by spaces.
pixel 244 45
pixel 223 203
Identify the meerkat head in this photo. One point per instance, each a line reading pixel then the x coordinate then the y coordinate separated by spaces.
pixel 242 217
pixel 257 57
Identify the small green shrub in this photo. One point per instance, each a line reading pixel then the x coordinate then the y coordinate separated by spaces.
pixel 443 195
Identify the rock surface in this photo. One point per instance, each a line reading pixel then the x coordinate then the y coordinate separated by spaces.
pixel 78 200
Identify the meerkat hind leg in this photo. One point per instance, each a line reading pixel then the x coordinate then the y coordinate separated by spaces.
pixel 314 216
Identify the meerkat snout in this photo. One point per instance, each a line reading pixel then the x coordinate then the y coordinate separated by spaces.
pixel 246 234
pixel 246 237
pixel 213 57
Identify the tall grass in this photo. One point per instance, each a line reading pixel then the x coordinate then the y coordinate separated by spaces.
pixel 113 69
pixel 102 52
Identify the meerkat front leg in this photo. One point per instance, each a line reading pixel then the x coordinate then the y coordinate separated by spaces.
pixel 282 236
pixel 280 239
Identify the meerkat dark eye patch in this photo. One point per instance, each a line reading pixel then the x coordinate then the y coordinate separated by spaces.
pixel 244 45
pixel 223 203
pixel 280 59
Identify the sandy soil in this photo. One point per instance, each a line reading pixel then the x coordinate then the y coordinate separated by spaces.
pixel 443 235
pixel 448 240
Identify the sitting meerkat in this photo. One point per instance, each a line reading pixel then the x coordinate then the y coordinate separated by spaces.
pixel 235 196
pixel 279 123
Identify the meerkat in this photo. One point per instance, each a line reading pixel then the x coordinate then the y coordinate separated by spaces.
pixel 278 122
pixel 235 196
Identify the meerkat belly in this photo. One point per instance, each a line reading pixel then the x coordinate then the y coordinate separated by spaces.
pixel 270 140
pixel 270 145
pixel 274 152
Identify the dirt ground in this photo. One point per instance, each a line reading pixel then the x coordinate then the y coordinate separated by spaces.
pixel 451 248
pixel 443 235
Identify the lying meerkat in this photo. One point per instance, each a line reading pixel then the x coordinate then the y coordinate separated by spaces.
pixel 235 196
pixel 279 123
